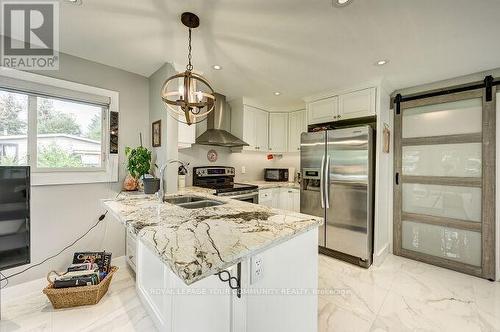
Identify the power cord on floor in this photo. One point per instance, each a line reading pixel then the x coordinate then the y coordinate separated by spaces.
pixel 6 278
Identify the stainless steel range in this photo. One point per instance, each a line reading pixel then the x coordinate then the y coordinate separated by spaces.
pixel 221 179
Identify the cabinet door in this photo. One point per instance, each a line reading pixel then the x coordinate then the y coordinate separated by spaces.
pixel 323 110
pixel 266 197
pixel 357 104
pixel 261 130
pixel 249 127
pixel 297 124
pixel 278 132
pixel 296 200
pixel 276 195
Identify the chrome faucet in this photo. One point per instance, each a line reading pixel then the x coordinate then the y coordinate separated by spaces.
pixel 161 192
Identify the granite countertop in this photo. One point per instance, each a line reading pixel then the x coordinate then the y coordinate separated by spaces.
pixel 272 184
pixel 196 243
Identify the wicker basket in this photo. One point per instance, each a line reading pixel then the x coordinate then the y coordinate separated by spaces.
pixel 78 296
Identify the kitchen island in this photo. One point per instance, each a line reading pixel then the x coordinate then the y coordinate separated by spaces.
pixel 185 257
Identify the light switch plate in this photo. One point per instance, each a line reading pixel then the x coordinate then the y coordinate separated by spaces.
pixel 257 269
pixel 243 170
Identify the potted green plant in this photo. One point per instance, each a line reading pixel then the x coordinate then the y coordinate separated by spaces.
pixel 138 165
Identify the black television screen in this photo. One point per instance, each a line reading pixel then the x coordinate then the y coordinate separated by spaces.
pixel 14 216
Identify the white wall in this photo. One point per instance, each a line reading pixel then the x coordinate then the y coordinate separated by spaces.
pixel 383 181
pixel 169 127
pixel 254 162
pixel 60 214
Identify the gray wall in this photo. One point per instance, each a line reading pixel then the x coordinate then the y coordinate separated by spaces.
pixel 62 213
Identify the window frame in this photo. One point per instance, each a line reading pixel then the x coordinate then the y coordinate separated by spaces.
pixel 107 172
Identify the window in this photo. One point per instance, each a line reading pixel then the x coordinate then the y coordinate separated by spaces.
pixel 61 133
pixel 69 134
pixel 13 128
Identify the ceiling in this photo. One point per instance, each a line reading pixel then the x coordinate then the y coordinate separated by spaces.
pixel 295 47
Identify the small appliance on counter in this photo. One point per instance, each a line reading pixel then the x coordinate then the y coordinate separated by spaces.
pixel 221 178
pixel 276 174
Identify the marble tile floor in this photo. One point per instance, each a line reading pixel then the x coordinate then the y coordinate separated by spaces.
pixel 400 295
pixel 405 295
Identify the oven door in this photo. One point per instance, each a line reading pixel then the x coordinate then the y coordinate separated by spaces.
pixel 247 197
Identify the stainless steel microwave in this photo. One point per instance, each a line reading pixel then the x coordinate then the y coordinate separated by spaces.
pixel 276 174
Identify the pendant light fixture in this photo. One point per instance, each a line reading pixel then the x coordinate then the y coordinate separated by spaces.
pixel 188 95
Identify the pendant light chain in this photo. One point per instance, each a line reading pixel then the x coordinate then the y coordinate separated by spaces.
pixel 189 66
pixel 178 90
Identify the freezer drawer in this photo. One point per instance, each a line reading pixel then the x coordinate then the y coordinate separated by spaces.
pixel 347 227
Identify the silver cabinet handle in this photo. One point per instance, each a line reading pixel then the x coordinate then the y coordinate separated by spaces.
pixel 322 182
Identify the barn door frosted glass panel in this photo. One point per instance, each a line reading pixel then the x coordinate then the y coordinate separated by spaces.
pixel 443 201
pixel 445 242
pixel 458 117
pixel 458 160
pixel 441 195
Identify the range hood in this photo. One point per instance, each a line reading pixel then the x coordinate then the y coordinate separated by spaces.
pixel 216 121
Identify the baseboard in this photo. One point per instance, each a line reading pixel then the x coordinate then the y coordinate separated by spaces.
pixel 379 257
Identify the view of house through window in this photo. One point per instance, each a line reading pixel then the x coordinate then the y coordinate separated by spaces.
pixel 68 133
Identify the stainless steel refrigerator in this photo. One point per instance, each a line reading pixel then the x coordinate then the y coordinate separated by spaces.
pixel 337 170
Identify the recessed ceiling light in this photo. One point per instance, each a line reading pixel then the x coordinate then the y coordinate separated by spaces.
pixel 74 2
pixel 381 62
pixel 217 67
pixel 341 3
pixel 277 93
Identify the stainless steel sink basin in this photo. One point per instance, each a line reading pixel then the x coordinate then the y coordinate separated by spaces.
pixel 192 202
pixel 200 204
pixel 183 199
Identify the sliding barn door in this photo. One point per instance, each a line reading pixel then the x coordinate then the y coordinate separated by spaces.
pixel 444 196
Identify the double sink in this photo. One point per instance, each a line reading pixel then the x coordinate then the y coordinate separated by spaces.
pixel 192 202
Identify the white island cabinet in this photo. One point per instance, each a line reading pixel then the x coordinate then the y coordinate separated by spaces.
pixel 183 253
pixel 283 298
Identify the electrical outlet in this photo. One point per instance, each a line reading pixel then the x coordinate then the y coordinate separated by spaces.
pixel 243 170
pixel 257 270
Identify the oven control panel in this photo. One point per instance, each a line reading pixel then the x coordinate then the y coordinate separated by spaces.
pixel 213 171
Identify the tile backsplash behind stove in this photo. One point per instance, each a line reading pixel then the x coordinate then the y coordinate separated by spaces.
pixel 254 162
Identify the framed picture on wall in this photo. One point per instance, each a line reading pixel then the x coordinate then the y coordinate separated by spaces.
pixel 156 134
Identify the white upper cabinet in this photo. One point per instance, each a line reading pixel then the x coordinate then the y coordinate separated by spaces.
pixel 297 124
pixel 251 125
pixel 351 105
pixel 357 104
pixel 278 132
pixel 261 129
pixel 324 110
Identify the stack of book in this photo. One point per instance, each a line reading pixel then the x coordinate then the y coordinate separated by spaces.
pixel 88 268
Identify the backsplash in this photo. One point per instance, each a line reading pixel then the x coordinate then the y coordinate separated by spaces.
pixel 254 162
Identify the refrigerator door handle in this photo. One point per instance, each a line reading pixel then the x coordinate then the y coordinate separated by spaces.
pixel 322 182
pixel 327 182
